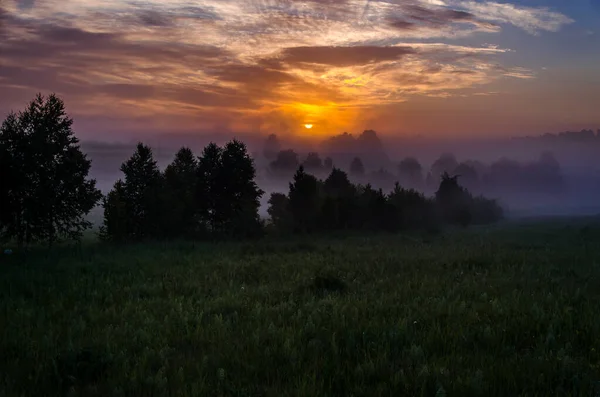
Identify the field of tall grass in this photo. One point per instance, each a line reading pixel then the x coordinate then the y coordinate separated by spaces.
pixel 512 310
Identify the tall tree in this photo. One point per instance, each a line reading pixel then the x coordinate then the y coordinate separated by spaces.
pixel 357 168
pixel 304 201
pixel 48 193
pixel 116 226
pixel 237 209
pixel 180 179
pixel 339 204
pixel 285 164
pixel 411 172
pixel 313 163
pixel 141 196
pixel 272 147
pixel 454 201
pixel 208 187
pixel 279 211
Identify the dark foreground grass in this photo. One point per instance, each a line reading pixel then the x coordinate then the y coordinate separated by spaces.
pixel 490 312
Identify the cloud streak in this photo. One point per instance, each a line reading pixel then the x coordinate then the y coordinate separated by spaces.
pixel 251 62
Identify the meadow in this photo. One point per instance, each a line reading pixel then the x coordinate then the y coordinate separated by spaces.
pixel 508 310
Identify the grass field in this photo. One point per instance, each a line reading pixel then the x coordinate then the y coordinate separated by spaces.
pixel 505 311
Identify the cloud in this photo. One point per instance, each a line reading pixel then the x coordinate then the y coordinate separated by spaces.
pixel 532 20
pixel 343 56
pixel 243 61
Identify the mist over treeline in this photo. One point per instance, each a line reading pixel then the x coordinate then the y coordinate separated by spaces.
pixel 552 174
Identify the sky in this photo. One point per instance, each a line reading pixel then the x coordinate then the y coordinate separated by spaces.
pixel 432 68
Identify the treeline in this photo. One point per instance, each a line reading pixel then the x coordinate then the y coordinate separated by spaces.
pixel 212 196
pixel 46 193
pixel 541 176
pixel 314 205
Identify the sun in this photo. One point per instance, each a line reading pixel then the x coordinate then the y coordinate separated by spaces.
pixel 308 126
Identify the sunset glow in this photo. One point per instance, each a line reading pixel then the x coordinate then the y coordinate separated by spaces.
pixel 443 67
pixel 308 126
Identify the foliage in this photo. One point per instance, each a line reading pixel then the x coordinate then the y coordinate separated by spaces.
pixel 457 205
pixel 285 164
pixel 304 201
pixel 239 198
pixel 279 212
pixel 117 223
pixel 337 204
pixel 272 147
pixel 511 314
pixel 137 198
pixel 410 172
pixel 357 168
pixel 180 181
pixel 313 163
pixel 208 188
pixel 45 193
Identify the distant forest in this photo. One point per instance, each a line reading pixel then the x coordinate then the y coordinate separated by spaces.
pixel 47 192
pixel 365 161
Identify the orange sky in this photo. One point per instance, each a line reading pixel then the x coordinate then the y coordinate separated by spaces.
pixel 413 67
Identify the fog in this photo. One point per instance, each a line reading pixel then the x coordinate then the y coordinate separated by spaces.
pixel 549 175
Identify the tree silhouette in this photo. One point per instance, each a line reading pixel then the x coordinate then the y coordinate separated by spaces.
pixel 313 163
pixel 46 194
pixel 357 169
pixel 281 217
pixel 140 193
pixel 328 163
pixel 272 147
pixel 445 164
pixel 304 201
pixel 411 172
pixel 116 226
pixel 180 184
pixel 410 209
pixel 237 209
pixel 468 175
pixel 339 203
pixel 453 201
pixel 208 187
pixel 373 209
pixel 285 164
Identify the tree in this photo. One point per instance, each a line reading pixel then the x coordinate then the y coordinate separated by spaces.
pixel 328 163
pixel 339 203
pixel 454 201
pixel 116 226
pixel 411 172
pixel 272 147
pixel 138 197
pixel 373 210
pixel 445 164
pixel 237 209
pixel 278 210
pixel 468 175
pixel 357 168
pixel 285 164
pixel 180 178
pixel 410 209
pixel 313 163
pixel 47 192
pixel 304 201
pixel 208 187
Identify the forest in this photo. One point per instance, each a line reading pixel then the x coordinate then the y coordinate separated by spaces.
pixel 48 193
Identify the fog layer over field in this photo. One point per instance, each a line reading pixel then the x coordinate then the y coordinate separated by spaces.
pixel 549 175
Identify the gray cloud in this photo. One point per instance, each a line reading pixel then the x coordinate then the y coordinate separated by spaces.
pixel 343 56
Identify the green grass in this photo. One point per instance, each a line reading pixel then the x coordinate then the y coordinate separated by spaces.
pixel 504 311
